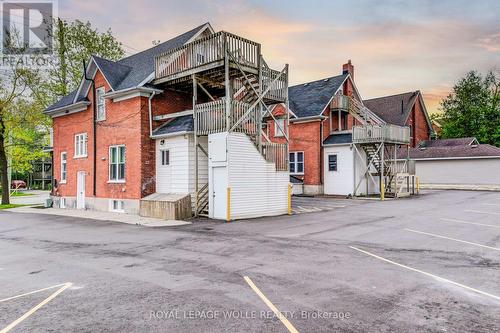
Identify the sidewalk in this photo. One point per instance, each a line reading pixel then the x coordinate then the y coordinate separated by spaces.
pixel 102 216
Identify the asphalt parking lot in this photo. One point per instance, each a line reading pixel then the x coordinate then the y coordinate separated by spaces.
pixel 430 263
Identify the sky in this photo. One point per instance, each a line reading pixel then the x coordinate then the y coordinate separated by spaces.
pixel 395 46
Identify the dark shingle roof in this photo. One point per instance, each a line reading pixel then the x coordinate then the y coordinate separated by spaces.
pixel 452 151
pixel 338 139
pixel 448 142
pixel 176 125
pixel 309 99
pixel 131 71
pixel 114 72
pixel 389 107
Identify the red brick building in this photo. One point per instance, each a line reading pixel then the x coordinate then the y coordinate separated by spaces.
pixel 315 123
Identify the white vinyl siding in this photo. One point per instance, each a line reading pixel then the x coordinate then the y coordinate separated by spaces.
pixel 64 167
pixel 80 145
pixel 101 104
pixel 257 189
pixel 178 175
pixel 339 170
pixel 117 163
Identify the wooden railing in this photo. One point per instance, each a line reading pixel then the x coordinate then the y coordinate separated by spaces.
pixel 205 51
pixel 278 89
pixel 381 133
pixel 277 154
pixel 356 108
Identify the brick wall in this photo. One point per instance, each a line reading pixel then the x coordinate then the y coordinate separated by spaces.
pixel 127 123
pixel 418 123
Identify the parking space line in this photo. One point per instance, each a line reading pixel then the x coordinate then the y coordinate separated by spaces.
pixel 480 212
pixel 427 274
pixel 278 314
pixel 34 309
pixel 31 292
pixel 490 204
pixel 466 222
pixel 454 239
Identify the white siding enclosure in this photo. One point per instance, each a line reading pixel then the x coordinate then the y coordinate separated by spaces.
pixel 459 171
pixel 175 165
pixel 254 186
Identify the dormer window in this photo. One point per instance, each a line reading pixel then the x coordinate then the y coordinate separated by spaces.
pixel 101 106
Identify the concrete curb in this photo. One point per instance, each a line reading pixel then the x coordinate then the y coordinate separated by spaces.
pixel 466 187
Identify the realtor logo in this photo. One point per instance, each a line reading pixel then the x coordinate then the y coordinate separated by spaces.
pixel 27 27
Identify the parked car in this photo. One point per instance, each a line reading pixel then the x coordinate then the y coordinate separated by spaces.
pixel 18 184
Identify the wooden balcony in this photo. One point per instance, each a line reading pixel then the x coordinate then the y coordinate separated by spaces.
pixel 205 54
pixel 381 133
pixel 208 55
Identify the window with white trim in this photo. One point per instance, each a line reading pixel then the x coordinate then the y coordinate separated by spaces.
pixel 81 145
pixel 64 167
pixel 62 203
pixel 165 157
pixel 296 162
pixel 277 131
pixel 101 104
pixel 116 206
pixel 117 163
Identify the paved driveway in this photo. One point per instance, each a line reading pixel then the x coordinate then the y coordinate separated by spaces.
pixel 426 264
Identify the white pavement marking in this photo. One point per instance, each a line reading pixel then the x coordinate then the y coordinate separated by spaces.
pixel 278 314
pixel 490 204
pixel 32 292
pixel 466 222
pixel 428 274
pixel 480 212
pixel 33 310
pixel 454 239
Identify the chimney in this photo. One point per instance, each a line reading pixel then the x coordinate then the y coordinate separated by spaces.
pixel 348 68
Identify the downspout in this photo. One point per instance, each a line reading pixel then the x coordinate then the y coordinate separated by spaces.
pixel 151 113
pixel 321 153
pixel 94 118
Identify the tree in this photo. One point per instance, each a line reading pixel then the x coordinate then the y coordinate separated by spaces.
pixel 74 43
pixel 14 84
pixel 473 109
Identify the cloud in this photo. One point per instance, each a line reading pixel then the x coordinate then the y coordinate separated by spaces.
pixel 490 43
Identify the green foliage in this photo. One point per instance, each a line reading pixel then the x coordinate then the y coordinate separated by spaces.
pixel 74 43
pixel 473 109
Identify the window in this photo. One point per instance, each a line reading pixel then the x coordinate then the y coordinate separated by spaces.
pixel 297 162
pixel 62 203
pixel 277 130
pixel 101 106
pixel 81 145
pixel 165 157
pixel 116 206
pixel 117 163
pixel 332 162
pixel 63 167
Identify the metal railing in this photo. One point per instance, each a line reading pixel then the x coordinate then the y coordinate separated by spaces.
pixel 381 133
pixel 277 154
pixel 205 51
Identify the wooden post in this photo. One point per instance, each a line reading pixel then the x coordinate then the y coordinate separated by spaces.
pixel 382 167
pixel 228 88
pixel 195 134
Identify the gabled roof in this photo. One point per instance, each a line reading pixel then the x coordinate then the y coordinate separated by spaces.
pixel 393 109
pixel 462 151
pixel 449 142
pixel 114 72
pixel 132 71
pixel 310 99
pixel 176 125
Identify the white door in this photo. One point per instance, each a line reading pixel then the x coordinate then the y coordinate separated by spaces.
pixel 80 190
pixel 219 192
